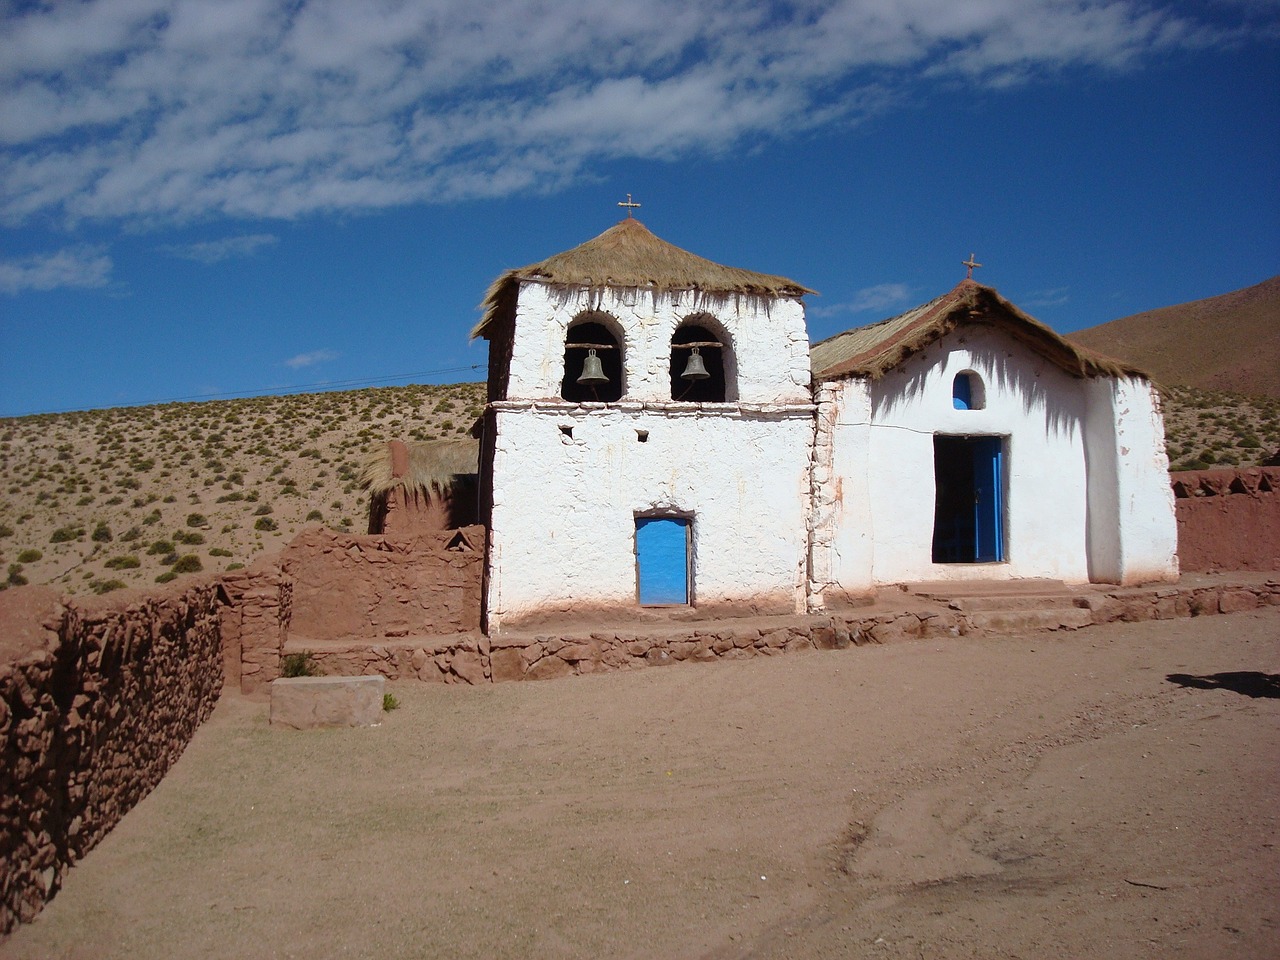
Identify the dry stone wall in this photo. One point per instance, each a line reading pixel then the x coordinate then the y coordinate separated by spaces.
pixel 93 712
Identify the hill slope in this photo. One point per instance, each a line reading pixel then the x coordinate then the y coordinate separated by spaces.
pixel 102 499
pixel 1229 343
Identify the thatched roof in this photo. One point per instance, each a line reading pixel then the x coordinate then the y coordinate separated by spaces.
pixel 872 350
pixel 430 466
pixel 628 256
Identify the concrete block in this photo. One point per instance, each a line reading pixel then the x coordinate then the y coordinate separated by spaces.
pixel 306 702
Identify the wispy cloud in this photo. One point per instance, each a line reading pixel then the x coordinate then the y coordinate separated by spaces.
pixel 311 359
pixel 1054 297
pixel 169 110
pixel 215 251
pixel 69 267
pixel 878 297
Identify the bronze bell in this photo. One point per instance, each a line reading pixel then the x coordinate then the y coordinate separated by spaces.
pixel 695 369
pixel 592 372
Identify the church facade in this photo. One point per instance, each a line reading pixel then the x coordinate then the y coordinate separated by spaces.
pixel 659 435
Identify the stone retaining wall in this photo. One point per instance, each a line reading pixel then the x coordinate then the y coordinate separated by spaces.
pixel 93 713
pixel 1228 519
pixel 477 659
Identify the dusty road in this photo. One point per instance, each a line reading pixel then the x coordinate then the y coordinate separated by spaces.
pixel 1055 795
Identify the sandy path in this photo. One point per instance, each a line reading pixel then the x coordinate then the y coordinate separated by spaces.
pixel 1045 796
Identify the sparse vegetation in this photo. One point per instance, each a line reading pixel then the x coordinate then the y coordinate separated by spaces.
pixel 188 563
pixel 299 665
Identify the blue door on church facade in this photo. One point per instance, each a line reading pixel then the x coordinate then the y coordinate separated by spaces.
pixel 969 500
pixel 662 560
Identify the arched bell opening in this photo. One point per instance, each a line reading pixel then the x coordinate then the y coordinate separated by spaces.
pixel 592 364
pixel 698 361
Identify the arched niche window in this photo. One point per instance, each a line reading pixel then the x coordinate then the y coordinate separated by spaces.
pixel 592 363
pixel 967 392
pixel 699 361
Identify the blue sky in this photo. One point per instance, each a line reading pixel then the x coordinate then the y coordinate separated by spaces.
pixel 203 198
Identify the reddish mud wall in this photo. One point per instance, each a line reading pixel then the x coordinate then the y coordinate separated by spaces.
pixel 98 698
pixel 347 587
pixel 1228 519
pixel 327 587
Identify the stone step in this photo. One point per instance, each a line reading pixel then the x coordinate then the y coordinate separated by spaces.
pixel 950 589
pixel 1019 621
pixel 303 703
pixel 1040 602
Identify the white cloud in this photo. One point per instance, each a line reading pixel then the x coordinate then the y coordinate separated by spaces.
pixel 311 359
pixel 69 267
pixel 167 110
pixel 1054 297
pixel 215 251
pixel 878 297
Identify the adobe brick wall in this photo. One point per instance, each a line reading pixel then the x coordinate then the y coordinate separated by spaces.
pixel 327 587
pixel 365 587
pixel 1228 519
pixel 97 703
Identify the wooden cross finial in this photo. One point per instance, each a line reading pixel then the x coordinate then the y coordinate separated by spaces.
pixel 970 263
pixel 629 205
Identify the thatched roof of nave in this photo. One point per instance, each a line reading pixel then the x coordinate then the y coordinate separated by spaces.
pixel 872 350
pixel 628 256
pixel 431 466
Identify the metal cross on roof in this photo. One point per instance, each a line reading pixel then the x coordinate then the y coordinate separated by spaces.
pixel 629 205
pixel 970 263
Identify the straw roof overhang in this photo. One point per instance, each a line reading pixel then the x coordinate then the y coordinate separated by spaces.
pixel 873 350
pixel 429 466
pixel 628 256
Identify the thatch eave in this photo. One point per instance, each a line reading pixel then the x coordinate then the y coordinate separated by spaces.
pixel 430 467
pixel 874 350
pixel 628 257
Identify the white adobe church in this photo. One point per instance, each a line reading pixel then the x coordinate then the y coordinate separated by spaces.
pixel 659 433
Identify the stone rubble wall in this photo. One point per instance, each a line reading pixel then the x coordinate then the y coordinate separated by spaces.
pixel 257 606
pixel 92 715
pixel 1228 519
pixel 477 659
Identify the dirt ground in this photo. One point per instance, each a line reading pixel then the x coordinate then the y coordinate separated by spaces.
pixel 1055 795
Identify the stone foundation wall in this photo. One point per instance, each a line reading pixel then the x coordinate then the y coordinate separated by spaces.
pixel 95 706
pixel 1228 519
pixel 477 659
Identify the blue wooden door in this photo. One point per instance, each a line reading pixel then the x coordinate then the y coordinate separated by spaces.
pixel 662 559
pixel 988 510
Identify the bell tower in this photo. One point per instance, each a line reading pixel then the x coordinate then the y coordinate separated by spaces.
pixel 647 434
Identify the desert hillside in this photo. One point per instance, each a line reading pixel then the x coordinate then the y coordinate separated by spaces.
pixel 101 499
pixel 1229 343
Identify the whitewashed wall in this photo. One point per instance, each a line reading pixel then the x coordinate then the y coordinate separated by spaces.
pixel 563 530
pixel 841 532
pixel 1133 532
pixel 770 345
pixel 1041 411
